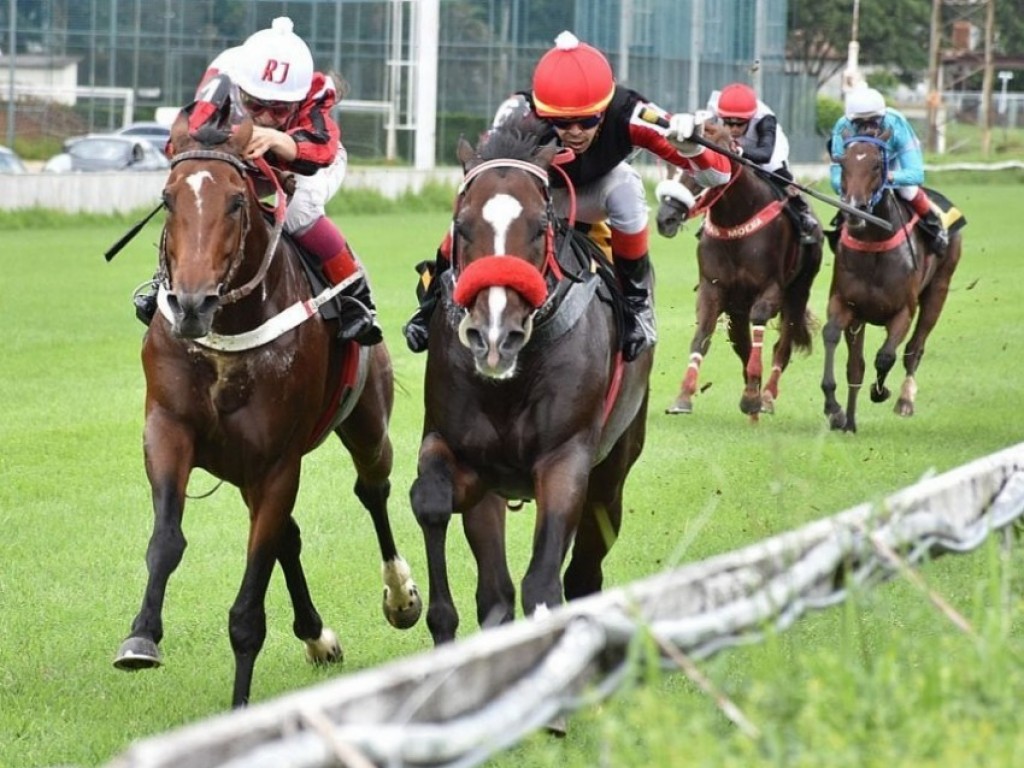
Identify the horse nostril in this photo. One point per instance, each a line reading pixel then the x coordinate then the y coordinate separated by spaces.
pixel 475 340
pixel 208 304
pixel 513 342
pixel 173 303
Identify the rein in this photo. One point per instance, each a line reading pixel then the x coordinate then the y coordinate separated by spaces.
pixel 275 235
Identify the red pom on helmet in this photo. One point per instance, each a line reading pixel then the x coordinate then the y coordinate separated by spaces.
pixel 738 101
pixel 573 79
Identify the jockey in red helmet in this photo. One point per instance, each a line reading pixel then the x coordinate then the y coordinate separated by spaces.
pixel 575 93
pixel 757 136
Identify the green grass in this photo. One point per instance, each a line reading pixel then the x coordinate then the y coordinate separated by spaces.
pixel 884 680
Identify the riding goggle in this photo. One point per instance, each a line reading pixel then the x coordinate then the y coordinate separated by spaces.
pixel 279 110
pixel 734 122
pixel 586 123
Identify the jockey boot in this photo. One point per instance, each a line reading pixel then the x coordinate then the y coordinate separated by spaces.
pixel 808 223
pixel 358 314
pixel 417 329
pixel 144 300
pixel 931 222
pixel 636 276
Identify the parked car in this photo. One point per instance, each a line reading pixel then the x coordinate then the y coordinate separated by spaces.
pixel 107 152
pixel 10 162
pixel 156 134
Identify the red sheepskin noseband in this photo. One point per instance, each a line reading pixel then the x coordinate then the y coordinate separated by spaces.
pixel 508 271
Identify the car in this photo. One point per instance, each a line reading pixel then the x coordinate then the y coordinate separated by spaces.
pixel 155 133
pixel 107 152
pixel 10 162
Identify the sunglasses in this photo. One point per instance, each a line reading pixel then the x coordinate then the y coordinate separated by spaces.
pixel 278 110
pixel 586 123
pixel 733 122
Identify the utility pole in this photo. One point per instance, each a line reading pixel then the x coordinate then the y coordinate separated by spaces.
pixel 934 98
pixel 986 80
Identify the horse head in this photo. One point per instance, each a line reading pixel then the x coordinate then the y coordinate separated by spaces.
pixel 209 213
pixel 865 171
pixel 502 238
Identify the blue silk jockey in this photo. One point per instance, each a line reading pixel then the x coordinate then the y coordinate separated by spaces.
pixel 867 114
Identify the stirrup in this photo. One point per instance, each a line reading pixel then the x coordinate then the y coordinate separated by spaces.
pixel 144 300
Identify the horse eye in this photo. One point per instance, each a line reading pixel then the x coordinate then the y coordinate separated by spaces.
pixel 236 203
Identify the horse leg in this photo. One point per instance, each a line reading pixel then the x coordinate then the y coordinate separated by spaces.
pixel 270 505
pixel 168 453
pixel 432 501
pixel 322 646
pixel 854 373
pixel 932 300
pixel 742 338
pixel 365 436
pixel 763 309
pixel 484 526
pixel 838 319
pixel 708 309
pixel 885 358
pixel 561 481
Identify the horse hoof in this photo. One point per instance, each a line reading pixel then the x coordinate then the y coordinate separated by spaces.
pixel 137 653
pixel 681 405
pixel 879 394
pixel 325 649
pixel 405 616
pixel 750 405
pixel 767 403
pixel 837 420
pixel 904 408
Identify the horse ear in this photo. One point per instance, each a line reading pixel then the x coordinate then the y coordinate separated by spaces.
pixel 240 136
pixel 543 156
pixel 885 135
pixel 465 152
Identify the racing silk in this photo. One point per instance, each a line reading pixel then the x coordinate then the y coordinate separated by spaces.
pixel 621 132
pixel 906 161
pixel 764 142
pixel 316 134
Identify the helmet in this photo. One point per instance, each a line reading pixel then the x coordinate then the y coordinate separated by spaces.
pixel 275 64
pixel 737 100
pixel 573 79
pixel 862 103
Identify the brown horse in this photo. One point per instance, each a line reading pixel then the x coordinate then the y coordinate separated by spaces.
pixel 752 268
pixel 526 394
pixel 883 279
pixel 235 390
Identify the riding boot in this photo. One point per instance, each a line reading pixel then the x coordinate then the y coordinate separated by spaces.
pixel 144 300
pixel 931 223
pixel 636 276
pixel 808 223
pixel 358 319
pixel 417 329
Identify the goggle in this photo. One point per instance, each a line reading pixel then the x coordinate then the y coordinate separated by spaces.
pixel 278 110
pixel 734 122
pixel 586 123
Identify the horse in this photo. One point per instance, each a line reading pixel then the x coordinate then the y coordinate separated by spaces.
pixel 880 277
pixel 234 389
pixel 526 394
pixel 752 267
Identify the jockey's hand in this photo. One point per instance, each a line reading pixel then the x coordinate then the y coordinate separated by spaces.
pixel 270 140
pixel 681 126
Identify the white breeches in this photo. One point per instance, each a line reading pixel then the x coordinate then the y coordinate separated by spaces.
pixel 312 193
pixel 619 197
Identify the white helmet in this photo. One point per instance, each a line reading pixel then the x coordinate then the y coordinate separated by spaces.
pixel 275 64
pixel 863 103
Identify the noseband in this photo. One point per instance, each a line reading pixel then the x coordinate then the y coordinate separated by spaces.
pixel 239 256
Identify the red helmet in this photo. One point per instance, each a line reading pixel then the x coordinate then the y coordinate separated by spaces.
pixel 573 79
pixel 737 100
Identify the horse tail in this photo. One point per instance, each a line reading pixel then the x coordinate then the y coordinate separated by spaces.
pixel 794 305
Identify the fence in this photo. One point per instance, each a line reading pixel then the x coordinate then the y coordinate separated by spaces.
pixel 460 704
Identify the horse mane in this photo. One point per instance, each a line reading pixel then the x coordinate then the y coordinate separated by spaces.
pixel 516 139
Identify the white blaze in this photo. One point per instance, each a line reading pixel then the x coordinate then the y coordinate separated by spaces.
pixel 500 211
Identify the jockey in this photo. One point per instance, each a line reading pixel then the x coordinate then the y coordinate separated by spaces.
pixel 866 113
pixel 290 105
pixel 757 136
pixel 602 123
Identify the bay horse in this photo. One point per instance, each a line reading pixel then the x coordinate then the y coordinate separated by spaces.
pixel 752 268
pixel 526 394
pixel 880 278
pixel 233 389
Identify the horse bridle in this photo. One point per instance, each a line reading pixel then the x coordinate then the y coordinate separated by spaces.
pixel 876 196
pixel 239 256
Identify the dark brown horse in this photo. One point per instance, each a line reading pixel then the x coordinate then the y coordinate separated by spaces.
pixel 752 268
pixel 233 388
pixel 880 278
pixel 526 395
